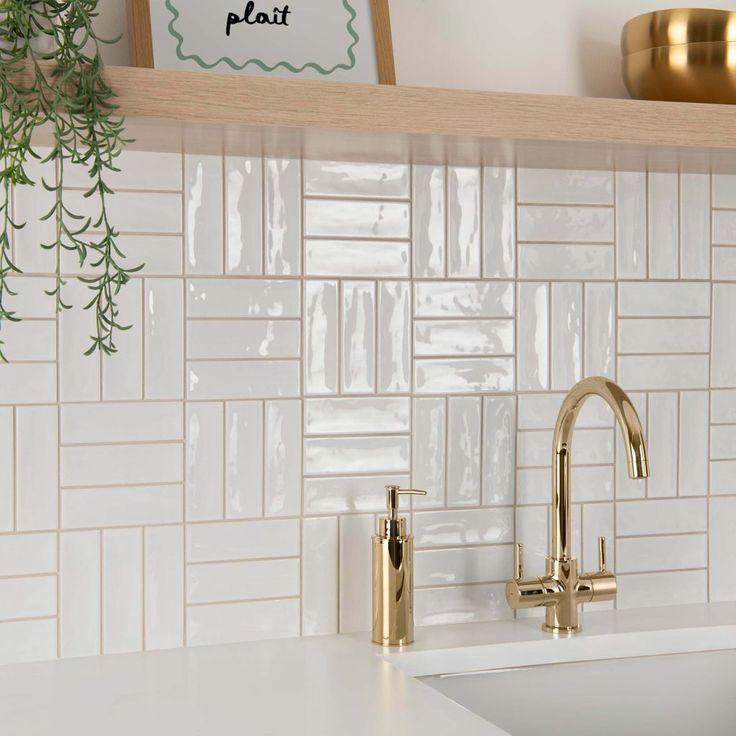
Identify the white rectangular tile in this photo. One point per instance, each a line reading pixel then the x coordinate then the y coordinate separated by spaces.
pixel 203 198
pixel 246 379
pixel 28 597
pixel 319 576
pixel 283 458
pixel 356 416
pixel 27 641
pixel 556 224
pixel 235 339
pixel 80 594
pixel 464 451
pixel 248 621
pixel 532 531
pixel 79 374
pixel 664 335
pixel 666 372
pixel 243 540
pixel 461 604
pixel 350 179
pixel 122 590
pixel 346 494
pixel 563 186
pixel 672 516
pixel 205 451
pixel 723 442
pixel 650 554
pixel 539 411
pixel 355 573
pixel 724 264
pixel 723 477
pixel 664 230
pixel 359 258
pixel 723 406
pixel 567 335
pixel 464 299
pixel 723 357
pixel 243 459
pixel 428 200
pixel 460 527
pixel 234 298
pixel 592 447
pixel 695 226
pixel 434 567
pixel 244 219
pixel 321 337
pixel 463 375
pixel 558 261
pixel 29 340
pixel 429 450
pixel 463 222
pixel 122 422
pixel 499 222
pixel 590 483
pixel 163 570
pixel 394 336
pixel 121 506
pixel 28 554
pixel 149 170
pixel 662 589
pixel 663 300
pixel 36 467
pixel 356 455
pixel 724 227
pixel 219 582
pixel 662 443
pixel 724 190
pixel 693 460
pixel 282 216
pixel 345 218
pixel 600 330
pixel 358 337
pixel 722 548
pixel 27 383
pixel 162 254
pixel 164 339
pixel 463 337
pixel 498 449
pixel 533 340
pixel 31 300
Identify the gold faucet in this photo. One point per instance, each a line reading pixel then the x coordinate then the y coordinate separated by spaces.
pixel 562 588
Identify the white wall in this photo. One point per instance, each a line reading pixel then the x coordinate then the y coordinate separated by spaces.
pixel 568 47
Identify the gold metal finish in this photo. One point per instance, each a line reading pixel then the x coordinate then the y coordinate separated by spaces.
pixel 562 588
pixel 682 55
pixel 393 574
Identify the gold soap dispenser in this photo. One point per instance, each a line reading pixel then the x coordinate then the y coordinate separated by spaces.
pixel 393 578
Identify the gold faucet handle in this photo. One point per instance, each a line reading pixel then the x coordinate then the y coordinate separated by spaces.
pixel 518 561
pixel 392 498
pixel 601 554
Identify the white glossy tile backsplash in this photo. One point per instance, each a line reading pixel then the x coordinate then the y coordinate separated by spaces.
pixel 306 332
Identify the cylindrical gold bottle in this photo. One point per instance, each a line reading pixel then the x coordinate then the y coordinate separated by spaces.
pixel 393 580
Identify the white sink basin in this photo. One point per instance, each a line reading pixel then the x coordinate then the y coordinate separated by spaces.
pixel 677 695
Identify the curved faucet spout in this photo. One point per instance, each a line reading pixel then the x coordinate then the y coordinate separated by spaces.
pixel 636 451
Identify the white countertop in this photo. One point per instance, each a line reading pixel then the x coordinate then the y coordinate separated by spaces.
pixel 323 686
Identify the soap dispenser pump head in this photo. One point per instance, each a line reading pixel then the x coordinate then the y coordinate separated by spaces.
pixel 391 525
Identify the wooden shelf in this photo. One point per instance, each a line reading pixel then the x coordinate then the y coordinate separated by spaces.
pixel 257 115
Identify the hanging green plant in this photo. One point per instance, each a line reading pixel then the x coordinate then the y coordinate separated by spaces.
pixel 51 76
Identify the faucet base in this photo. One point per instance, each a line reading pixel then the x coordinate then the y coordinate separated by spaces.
pixel 568 630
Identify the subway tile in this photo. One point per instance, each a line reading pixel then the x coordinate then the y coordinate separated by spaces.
pixel 28 554
pixel 356 455
pixel 94 465
pixel 246 379
pixel 345 219
pixel 243 459
pixel 723 442
pixel 695 226
pixel 724 264
pixel 148 170
pixel 723 406
pixel 723 350
pixel 693 459
pixel 598 522
pixel 561 186
pixel 394 336
pixel 463 375
pixel 651 554
pixel 361 259
pixel 358 337
pixel 464 451
pixel 345 494
pixel 247 621
pixel 122 422
pixel 461 604
pixel 355 573
pixel 463 222
pixel 428 203
pixel 244 219
pixel 28 340
pixel 356 416
pixel 243 540
pixel 722 548
pixel 459 527
pixel 663 300
pixel 204 462
pixel 161 254
pixel 220 582
pixel 122 590
pixel 79 374
pixel 464 299
pixel 662 589
pixel 28 597
pixel 429 453
pixel 550 223
pixel 666 372
pixel 27 641
pixel 539 411
pixel 234 298
pixel 349 179
pixel 163 584
pixel 203 199
pixel 723 477
pixel 663 225
pixel 724 227
pixel 533 341
pixel 559 261
pixel 664 335
pixel 662 443
pixel 499 222
pixel 164 339
pixel 319 576
pixel 532 531
pixel 592 447
pixel 463 337
pixel 121 506
pixel 36 467
pixel 498 449
pixel 283 458
pixel 567 335
pixel 31 300
pixel 80 594
pixel 600 330
pixel 463 565
pixel 724 190
pixel 590 483
pixel 282 216
pixel 321 337
pixel 672 516
pixel 234 339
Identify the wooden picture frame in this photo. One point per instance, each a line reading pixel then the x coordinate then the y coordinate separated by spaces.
pixel 141 39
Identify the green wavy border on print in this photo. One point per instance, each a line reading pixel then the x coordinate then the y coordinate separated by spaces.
pixel 257 62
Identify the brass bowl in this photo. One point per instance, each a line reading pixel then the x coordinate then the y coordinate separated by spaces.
pixel 684 55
